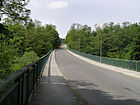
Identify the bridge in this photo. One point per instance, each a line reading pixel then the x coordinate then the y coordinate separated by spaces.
pixel 62 77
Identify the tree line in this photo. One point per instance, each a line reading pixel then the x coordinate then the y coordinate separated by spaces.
pixel 118 41
pixel 22 40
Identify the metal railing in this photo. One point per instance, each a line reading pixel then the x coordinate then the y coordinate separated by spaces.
pixel 122 63
pixel 19 86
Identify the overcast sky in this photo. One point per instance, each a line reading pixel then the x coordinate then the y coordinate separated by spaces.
pixel 63 13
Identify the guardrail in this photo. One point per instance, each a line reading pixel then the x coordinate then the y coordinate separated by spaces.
pixel 19 86
pixel 122 63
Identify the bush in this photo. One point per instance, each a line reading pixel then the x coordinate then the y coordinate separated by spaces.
pixel 27 58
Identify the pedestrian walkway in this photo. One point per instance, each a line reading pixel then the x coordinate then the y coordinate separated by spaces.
pixel 53 89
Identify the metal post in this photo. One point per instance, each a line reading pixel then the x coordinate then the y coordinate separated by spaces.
pixel 79 45
pixel 129 65
pixel 122 63
pixel 136 66
pixel 101 49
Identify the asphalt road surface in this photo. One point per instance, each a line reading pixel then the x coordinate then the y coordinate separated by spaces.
pixel 97 85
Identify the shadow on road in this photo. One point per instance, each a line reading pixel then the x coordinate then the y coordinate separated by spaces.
pixel 74 70
pixel 53 90
pixel 98 97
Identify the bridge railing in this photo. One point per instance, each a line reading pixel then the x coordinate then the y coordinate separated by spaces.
pixel 19 86
pixel 122 63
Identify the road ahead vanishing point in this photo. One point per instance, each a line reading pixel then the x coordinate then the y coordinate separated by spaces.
pixel 98 86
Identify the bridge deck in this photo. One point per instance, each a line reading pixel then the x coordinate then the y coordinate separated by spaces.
pixel 95 85
pixel 98 85
pixel 53 89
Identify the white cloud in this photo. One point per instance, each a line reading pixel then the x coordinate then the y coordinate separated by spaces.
pixel 57 5
pixel 35 3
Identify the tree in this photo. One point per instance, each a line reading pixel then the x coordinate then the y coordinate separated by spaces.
pixel 27 58
pixel 118 41
pixel 22 40
pixel 15 10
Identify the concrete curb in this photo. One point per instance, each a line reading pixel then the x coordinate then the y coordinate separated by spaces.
pixel 108 67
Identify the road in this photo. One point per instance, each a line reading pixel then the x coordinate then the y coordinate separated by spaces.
pixel 97 85
pixel 52 88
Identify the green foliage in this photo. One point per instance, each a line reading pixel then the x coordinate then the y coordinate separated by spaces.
pixel 20 39
pixel 27 58
pixel 41 39
pixel 118 41
pixel 6 56
pixel 15 10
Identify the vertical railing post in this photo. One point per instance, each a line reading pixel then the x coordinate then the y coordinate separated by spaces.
pixel 37 69
pixel 21 84
pixel 34 75
pixel 20 89
pixel 122 63
pixel 136 65
pixel 129 65
pixel 22 92
pixel 28 85
pixel 101 49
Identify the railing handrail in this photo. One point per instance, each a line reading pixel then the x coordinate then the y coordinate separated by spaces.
pixel 5 82
pixel 107 57
pixel 123 63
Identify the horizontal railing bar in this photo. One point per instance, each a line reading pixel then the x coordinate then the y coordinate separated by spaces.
pixel 9 91
pixel 8 84
pixel 122 63
pixel 105 57
pixel 15 75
